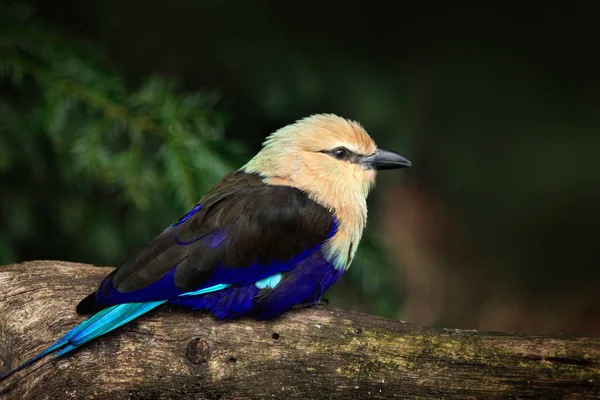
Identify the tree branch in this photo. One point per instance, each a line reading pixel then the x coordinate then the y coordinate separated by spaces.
pixel 318 353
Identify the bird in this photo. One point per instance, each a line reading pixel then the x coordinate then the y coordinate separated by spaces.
pixel 274 234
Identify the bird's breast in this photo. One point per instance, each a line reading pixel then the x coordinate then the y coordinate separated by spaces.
pixel 343 244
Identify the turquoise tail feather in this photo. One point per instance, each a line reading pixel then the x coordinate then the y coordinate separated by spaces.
pixel 115 317
pixel 97 325
pixel 44 353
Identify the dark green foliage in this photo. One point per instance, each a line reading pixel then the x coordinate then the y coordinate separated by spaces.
pixel 100 167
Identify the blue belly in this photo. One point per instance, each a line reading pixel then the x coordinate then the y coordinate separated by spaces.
pixel 305 283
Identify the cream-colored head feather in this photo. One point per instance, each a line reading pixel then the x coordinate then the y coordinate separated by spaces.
pixel 302 155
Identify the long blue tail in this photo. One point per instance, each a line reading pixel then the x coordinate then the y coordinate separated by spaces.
pixel 98 324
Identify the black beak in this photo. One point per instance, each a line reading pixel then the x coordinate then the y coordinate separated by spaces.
pixel 385 159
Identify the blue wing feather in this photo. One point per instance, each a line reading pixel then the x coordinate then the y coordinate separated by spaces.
pixel 241 232
pixel 165 288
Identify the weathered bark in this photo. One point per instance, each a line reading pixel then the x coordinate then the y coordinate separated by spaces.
pixel 316 353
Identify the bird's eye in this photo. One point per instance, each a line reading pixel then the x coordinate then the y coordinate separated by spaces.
pixel 340 153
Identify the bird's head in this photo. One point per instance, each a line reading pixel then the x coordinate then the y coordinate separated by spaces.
pixel 334 161
pixel 331 158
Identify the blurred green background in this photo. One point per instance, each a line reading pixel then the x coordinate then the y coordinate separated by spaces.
pixel 116 116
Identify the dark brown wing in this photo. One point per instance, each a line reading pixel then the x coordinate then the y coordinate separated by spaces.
pixel 242 231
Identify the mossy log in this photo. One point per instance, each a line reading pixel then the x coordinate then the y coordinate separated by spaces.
pixel 308 353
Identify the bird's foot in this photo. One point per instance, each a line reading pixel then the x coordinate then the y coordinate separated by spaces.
pixel 320 303
pixel 313 304
pixel 323 303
